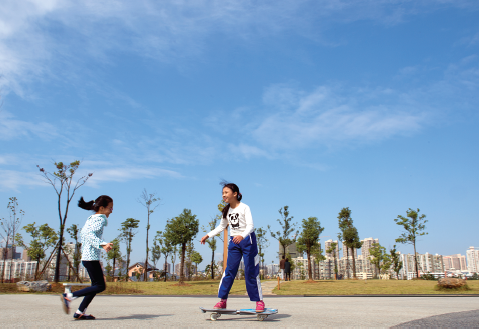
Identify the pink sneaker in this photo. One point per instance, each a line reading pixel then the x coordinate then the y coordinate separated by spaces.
pixel 259 306
pixel 221 304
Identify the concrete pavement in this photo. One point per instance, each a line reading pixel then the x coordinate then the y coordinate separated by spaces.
pixel 33 310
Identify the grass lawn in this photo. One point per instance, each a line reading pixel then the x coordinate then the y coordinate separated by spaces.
pixel 368 287
pixel 209 287
pixel 323 287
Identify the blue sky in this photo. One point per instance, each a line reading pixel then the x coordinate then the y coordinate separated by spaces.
pixel 317 105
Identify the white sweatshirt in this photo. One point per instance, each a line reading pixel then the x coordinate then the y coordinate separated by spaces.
pixel 239 219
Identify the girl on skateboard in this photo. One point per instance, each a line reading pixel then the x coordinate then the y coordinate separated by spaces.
pixel 92 243
pixel 242 244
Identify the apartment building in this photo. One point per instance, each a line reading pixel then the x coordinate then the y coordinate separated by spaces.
pixel 472 255
pixel 455 262
pixel 367 244
pixel 327 245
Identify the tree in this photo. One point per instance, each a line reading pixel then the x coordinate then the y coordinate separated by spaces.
pixel 308 240
pixel 351 240
pixel 196 258
pixel 395 262
pixel 379 258
pixel 212 241
pixel 189 250
pixel 62 180
pixel 42 238
pixel 166 247
pixel 332 249
pixel 414 226
pixel 73 231
pixel 173 253
pixel 10 227
pixel 114 254
pixel 262 243
pixel 180 230
pixel 128 231
pixel 345 221
pixel 155 253
pixel 149 202
pixel 284 236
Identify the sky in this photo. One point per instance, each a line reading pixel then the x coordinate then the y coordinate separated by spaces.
pixel 317 105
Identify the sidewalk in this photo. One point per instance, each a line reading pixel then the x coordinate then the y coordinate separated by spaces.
pixel 132 311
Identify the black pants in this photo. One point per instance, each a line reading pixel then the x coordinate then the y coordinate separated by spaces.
pixel 288 276
pixel 97 283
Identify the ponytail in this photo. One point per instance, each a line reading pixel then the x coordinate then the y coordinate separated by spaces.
pixel 101 201
pixel 234 188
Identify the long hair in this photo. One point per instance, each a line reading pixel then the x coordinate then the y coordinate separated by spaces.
pixel 234 188
pixel 101 201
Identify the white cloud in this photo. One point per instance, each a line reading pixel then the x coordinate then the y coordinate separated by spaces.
pixel 44 39
pixel 122 174
pixel 13 180
pixel 326 116
pixel 11 128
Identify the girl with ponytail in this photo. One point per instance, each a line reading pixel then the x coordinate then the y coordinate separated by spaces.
pixel 92 243
pixel 242 244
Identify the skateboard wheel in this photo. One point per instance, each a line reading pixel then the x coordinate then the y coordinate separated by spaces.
pixel 261 317
pixel 214 316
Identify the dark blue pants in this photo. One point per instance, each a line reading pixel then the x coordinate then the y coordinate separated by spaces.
pixel 97 283
pixel 248 250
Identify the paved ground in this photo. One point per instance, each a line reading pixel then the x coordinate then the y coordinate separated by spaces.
pixel 132 311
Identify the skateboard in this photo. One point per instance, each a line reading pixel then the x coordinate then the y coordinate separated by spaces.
pixel 216 313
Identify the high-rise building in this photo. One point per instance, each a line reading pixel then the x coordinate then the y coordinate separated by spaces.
pixel 472 260
pixel 348 251
pixel 291 250
pixel 327 245
pixel 455 262
pixel 367 243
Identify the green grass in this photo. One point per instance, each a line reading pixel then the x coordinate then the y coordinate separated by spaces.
pixel 369 287
pixel 209 287
pixel 323 287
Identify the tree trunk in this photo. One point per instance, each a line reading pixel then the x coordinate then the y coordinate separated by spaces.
pixel 354 265
pixel 59 257
pixel 146 259
pixel 182 263
pixel 415 259
pixel 165 266
pixel 347 262
pixel 113 270
pixel 128 255
pixel 212 265
pixel 310 273
pixel 37 267
pixel 5 254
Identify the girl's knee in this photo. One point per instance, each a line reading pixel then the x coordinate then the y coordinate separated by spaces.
pixel 100 288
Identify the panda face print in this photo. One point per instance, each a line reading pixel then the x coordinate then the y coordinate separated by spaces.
pixel 234 220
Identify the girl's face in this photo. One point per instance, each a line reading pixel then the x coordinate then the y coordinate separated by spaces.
pixel 228 195
pixel 106 210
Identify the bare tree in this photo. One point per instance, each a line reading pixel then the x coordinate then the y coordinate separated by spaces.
pixel 62 182
pixel 149 201
pixel 10 227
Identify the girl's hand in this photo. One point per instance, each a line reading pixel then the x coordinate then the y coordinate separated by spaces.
pixel 237 239
pixel 108 246
pixel 203 239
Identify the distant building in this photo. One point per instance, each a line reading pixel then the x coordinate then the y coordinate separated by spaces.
pixel 291 250
pixel 472 260
pixel 272 269
pixel 455 262
pixel 8 251
pixel 327 245
pixel 367 244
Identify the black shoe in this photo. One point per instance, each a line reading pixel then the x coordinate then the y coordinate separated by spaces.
pixel 65 303
pixel 77 316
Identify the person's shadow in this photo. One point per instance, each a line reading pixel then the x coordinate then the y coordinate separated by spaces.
pixel 135 317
